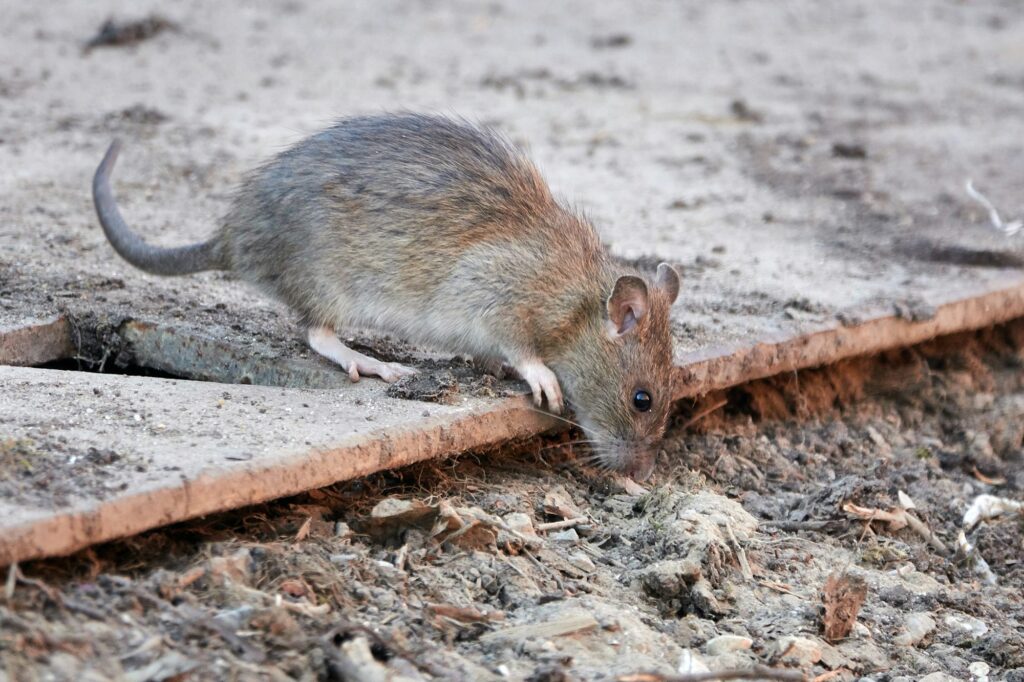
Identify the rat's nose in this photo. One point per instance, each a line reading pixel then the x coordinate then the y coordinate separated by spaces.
pixel 641 466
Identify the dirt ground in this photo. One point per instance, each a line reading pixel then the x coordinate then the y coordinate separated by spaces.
pixel 447 571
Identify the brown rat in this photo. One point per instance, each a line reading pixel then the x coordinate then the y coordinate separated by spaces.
pixel 444 234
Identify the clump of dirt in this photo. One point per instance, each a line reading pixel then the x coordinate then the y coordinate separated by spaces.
pixel 540 79
pixel 432 387
pixel 443 381
pixel 97 340
pixel 137 115
pixel 121 33
pixel 744 112
pixel 611 41
pixel 753 547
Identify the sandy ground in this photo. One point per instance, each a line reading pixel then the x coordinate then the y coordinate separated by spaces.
pixel 800 161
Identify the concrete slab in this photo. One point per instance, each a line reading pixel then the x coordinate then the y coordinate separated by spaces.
pixel 111 455
pixel 97 456
pixel 810 187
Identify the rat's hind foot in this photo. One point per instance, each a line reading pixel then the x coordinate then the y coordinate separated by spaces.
pixel 325 342
pixel 543 383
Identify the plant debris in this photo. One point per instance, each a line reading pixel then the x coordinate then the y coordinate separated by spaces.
pixel 843 596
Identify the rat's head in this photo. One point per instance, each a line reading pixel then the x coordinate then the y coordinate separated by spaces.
pixel 620 373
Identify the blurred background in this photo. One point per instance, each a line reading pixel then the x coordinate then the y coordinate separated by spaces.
pixel 790 147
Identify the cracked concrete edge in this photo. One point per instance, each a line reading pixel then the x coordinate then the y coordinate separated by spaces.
pixel 217 490
pixel 36 342
pixel 722 367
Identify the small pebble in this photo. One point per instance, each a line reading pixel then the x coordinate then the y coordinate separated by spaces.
pixel 916 627
pixel 806 651
pixel 965 623
pixel 690 663
pixel 979 671
pixel 726 643
pixel 567 535
pixel 520 523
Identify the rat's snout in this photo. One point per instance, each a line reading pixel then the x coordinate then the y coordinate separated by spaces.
pixel 640 465
pixel 635 460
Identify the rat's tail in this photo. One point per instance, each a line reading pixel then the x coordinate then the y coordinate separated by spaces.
pixel 181 260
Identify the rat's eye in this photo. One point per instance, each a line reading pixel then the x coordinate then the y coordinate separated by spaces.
pixel 642 400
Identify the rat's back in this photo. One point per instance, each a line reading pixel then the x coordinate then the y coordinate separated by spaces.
pixel 400 222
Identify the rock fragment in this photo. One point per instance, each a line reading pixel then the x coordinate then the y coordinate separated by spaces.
pixel 726 644
pixel 801 650
pixel 916 627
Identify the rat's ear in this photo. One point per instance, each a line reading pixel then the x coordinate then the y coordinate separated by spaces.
pixel 668 281
pixel 627 304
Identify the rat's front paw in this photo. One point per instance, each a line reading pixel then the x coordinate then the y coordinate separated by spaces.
pixel 543 383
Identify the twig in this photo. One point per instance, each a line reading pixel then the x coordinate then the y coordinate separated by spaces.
pixel 382 640
pixel 51 593
pixel 461 531
pixel 15 576
pixel 740 553
pixel 919 527
pixel 500 525
pixel 830 674
pixel 897 518
pixel 780 587
pixel 987 480
pixel 12 581
pixel 303 531
pixel 190 576
pixel 806 525
pixel 564 523
pixel 465 615
pixel 758 672
pixel 544 569
pixel 705 412
pixel 567 623
pixel 981 566
pixel 305 607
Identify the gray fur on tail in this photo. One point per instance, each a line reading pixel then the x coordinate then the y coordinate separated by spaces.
pixel 180 260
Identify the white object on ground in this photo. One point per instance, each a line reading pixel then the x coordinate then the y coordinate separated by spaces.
pixel 988 507
pixel 981 566
pixel 1008 229
pixel 979 671
pixel 690 663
